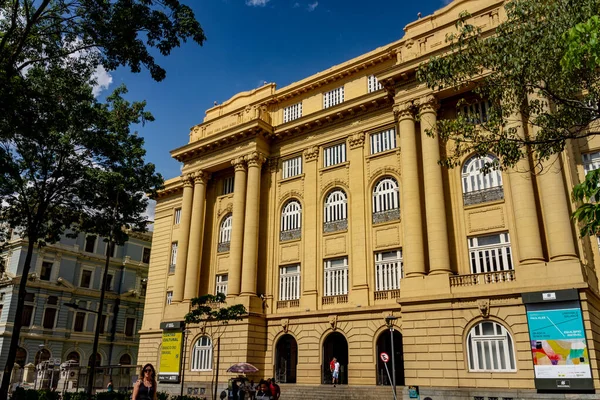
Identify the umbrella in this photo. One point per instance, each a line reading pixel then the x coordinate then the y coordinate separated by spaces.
pixel 242 368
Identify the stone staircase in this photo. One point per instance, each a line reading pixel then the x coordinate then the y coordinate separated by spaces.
pixel 340 392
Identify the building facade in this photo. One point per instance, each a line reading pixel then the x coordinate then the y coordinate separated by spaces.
pixel 321 207
pixel 57 336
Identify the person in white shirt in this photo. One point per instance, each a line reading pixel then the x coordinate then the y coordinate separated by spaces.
pixel 336 372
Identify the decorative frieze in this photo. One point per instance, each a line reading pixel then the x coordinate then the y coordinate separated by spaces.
pixel 311 154
pixel 357 140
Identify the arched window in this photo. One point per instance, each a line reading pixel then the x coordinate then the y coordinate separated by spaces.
pixel 291 220
pixel 480 186
pixel 125 359
pixel 336 211
pixel 490 348
pixel 98 360
pixel 225 234
pixel 73 356
pixel 41 356
pixel 386 201
pixel 21 357
pixel 202 354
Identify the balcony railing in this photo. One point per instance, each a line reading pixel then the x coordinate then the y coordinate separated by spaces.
pixel 387 294
pixel 334 226
pixel 341 299
pixel 288 303
pixel 482 279
pixel 386 216
pixel 223 247
pixel 483 196
pixel 290 235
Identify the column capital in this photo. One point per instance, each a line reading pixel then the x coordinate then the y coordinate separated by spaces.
pixel 201 177
pixel 239 163
pixel 255 159
pixel 404 110
pixel 188 180
pixel 311 154
pixel 428 104
pixel 357 140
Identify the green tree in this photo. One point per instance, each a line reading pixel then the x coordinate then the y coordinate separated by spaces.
pixel 212 311
pixel 57 164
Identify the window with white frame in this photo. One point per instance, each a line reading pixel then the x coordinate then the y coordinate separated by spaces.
pixel 50 313
pixel 386 200
pixel 292 112
pixel 177 216
pixel 336 277
pixel 591 161
pixel 202 354
pixel 85 280
pixel 291 220
pixel 383 141
pixel 292 167
pixel 335 154
pixel 478 112
pixel 289 282
pixel 130 328
pixel 333 97
pixel 228 185
pixel 146 255
pixel 388 270
pixel 173 260
pixel 225 234
pixel 90 243
pixel 169 297
pixel 112 248
pixel 490 253
pixel 490 348
pixel 46 271
pixel 373 84
pixel 479 185
pixel 336 210
pixel 80 320
pixel 221 284
pixel 28 309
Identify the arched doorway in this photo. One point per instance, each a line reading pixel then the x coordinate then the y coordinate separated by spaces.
pixel 384 346
pixel 286 359
pixel 335 345
pixel 73 356
pixel 41 356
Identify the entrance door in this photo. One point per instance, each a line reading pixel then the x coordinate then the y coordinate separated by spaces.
pixel 384 345
pixel 335 345
pixel 286 358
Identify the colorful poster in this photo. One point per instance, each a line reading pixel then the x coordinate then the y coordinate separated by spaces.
pixel 558 344
pixel 170 356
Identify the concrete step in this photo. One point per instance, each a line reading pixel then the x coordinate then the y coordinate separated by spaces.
pixel 340 392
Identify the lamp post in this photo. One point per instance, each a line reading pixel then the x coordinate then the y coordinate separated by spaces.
pixel 186 333
pixel 389 321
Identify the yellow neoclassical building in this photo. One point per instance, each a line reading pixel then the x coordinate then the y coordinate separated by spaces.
pixel 321 207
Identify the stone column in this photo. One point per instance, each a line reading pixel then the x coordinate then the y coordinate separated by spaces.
pixel 310 230
pixel 529 241
pixel 184 236
pixel 237 227
pixel 196 230
pixel 250 254
pixel 435 212
pixel 413 252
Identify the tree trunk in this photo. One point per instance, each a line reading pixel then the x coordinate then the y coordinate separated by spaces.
pixel 16 332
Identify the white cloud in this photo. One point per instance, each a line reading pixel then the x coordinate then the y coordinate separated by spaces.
pixel 257 3
pixel 103 80
pixel 311 7
pixel 296 5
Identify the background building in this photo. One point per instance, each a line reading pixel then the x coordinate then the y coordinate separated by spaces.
pixel 321 207
pixel 70 271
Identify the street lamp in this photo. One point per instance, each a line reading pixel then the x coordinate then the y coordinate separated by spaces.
pixel 389 321
pixel 186 333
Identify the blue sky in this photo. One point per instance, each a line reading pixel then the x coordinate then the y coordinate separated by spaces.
pixel 252 41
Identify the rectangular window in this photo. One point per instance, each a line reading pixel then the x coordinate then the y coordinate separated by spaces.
pixel 477 113
pixel 103 321
pixel 46 271
pixel 228 184
pixel 336 277
pixel 109 281
pixel 113 250
pixel 86 279
pixel 292 167
pixel 129 326
pixel 146 255
pixel 591 161
pixel 143 287
pixel 490 253
pixel 292 112
pixel 169 297
pixel 79 321
pixel 177 216
pixel 383 141
pixel 90 243
pixel 373 84
pixel 221 286
pixel 27 316
pixel 173 258
pixel 1 307
pixel 289 283
pixel 388 270
pixel 334 155
pixel 49 318
pixel 333 97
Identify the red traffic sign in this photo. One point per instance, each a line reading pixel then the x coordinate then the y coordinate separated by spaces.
pixel 384 357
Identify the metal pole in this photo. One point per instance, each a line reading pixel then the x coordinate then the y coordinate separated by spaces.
pixel 388 373
pixel 393 360
pixel 217 375
pixel 185 336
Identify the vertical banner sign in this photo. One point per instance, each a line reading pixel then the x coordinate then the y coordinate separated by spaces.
pixel 558 345
pixel 170 354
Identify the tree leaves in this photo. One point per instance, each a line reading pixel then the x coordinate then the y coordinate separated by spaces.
pixel 210 308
